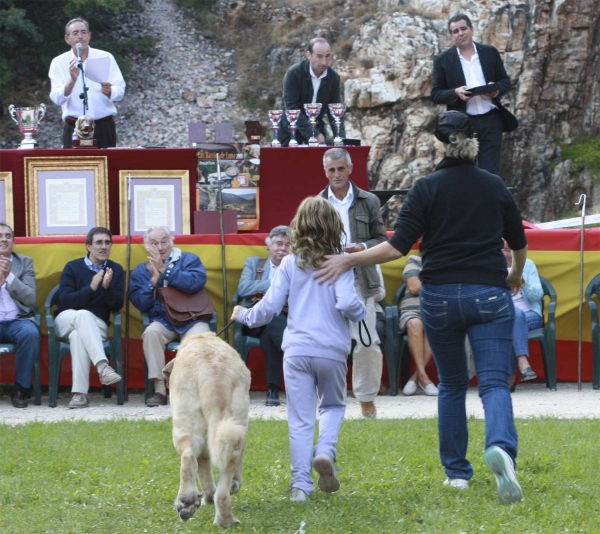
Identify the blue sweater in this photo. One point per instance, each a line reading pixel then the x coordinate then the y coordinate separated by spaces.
pixel 75 292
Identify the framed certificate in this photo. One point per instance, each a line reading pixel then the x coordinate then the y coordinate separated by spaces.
pixel 154 198
pixel 6 199
pixel 65 196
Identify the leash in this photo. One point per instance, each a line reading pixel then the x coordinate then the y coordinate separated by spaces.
pixel 360 333
pixel 227 326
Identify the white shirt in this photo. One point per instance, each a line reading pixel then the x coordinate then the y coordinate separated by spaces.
pixel 477 105
pixel 342 207
pixel 8 309
pixel 272 269
pixel 316 81
pixel 100 106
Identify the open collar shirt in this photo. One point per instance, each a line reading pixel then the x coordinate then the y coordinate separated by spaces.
pixel 478 105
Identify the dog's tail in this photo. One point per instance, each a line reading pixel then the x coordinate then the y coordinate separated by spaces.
pixel 226 441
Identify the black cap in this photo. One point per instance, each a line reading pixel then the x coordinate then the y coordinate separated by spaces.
pixel 452 121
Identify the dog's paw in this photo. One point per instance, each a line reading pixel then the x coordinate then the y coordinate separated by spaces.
pixel 186 506
pixel 235 486
pixel 225 522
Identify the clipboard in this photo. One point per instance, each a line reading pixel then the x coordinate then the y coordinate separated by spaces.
pixel 483 89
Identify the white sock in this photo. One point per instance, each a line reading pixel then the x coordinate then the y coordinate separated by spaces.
pixel 101 365
pixel 159 386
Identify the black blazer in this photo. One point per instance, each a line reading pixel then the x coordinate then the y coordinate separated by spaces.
pixel 298 90
pixel 448 75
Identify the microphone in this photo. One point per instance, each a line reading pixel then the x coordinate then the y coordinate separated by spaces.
pixel 78 47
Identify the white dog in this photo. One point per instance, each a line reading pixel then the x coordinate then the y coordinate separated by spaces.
pixel 209 390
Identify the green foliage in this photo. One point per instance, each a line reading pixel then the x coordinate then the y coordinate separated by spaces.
pixel 585 154
pixel 122 477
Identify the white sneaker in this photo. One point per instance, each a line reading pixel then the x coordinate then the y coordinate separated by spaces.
pixel 410 388
pixel 430 389
pixel 297 495
pixel 79 400
pixel 459 483
pixel 502 466
pixel 109 376
pixel 328 477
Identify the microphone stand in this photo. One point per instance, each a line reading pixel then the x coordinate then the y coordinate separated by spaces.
pixel 84 94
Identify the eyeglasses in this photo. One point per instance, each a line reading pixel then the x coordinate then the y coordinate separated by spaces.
pixel 77 33
pixel 281 244
pixel 103 242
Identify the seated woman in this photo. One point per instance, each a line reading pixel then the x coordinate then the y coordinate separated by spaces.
pixel 528 315
pixel 410 321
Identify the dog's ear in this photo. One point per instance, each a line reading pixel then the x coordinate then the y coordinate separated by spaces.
pixel 167 369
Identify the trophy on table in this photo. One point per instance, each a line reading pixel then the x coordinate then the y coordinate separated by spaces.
pixel 312 112
pixel 275 117
pixel 27 119
pixel 292 116
pixel 337 112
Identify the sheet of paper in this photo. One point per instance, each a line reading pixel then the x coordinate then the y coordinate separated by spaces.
pixel 97 69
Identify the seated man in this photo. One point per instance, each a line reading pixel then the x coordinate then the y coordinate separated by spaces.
pixel 17 323
pixel 166 266
pixel 528 315
pixel 90 289
pixel 411 323
pixel 254 282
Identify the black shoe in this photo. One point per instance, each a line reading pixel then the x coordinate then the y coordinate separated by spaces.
pixel 528 374
pixel 272 398
pixel 18 400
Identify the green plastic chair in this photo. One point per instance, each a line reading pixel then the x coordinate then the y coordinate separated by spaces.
pixel 396 345
pixel 241 343
pixel 593 290
pixel 11 348
pixel 547 334
pixel 173 346
pixel 58 348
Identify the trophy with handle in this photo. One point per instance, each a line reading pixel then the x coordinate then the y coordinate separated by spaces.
pixel 312 112
pixel 275 117
pixel 27 119
pixel 292 116
pixel 337 112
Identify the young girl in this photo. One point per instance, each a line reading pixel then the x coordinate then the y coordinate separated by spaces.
pixel 316 342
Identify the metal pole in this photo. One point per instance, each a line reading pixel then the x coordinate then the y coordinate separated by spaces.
pixel 222 230
pixel 127 271
pixel 581 200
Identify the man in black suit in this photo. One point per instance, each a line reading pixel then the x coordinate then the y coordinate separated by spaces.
pixel 311 81
pixel 471 65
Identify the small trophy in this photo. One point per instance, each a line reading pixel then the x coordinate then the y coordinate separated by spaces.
pixel 337 112
pixel 27 119
pixel 292 116
pixel 275 117
pixel 312 112
pixel 84 133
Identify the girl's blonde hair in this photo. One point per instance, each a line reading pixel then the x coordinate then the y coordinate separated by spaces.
pixel 317 230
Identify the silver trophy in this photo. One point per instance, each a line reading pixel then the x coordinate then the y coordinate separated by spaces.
pixel 312 112
pixel 337 112
pixel 275 117
pixel 27 119
pixel 292 116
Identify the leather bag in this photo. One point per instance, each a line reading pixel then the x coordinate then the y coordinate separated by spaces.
pixel 183 308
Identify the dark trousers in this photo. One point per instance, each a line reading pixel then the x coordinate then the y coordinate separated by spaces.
pixel 26 336
pixel 489 134
pixel 271 338
pixel 105 134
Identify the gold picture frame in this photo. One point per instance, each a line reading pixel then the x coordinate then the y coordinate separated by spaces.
pixel 66 195
pixel 6 193
pixel 158 198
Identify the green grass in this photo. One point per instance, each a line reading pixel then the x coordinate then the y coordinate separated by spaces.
pixel 122 477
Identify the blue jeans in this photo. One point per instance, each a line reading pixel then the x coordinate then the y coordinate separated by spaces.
pixel 524 322
pixel 485 313
pixel 26 336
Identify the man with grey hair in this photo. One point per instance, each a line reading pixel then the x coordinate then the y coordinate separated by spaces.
pixel 311 81
pixel 254 282
pixel 166 266
pixel 67 85
pixel 360 213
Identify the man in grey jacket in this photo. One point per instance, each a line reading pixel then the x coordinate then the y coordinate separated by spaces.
pixel 360 213
pixel 254 281
pixel 311 81
pixel 17 303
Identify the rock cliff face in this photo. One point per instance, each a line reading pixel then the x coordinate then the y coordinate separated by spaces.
pixel 384 50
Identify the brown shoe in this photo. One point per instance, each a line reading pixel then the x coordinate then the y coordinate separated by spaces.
pixel 158 399
pixel 368 409
pixel 18 400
